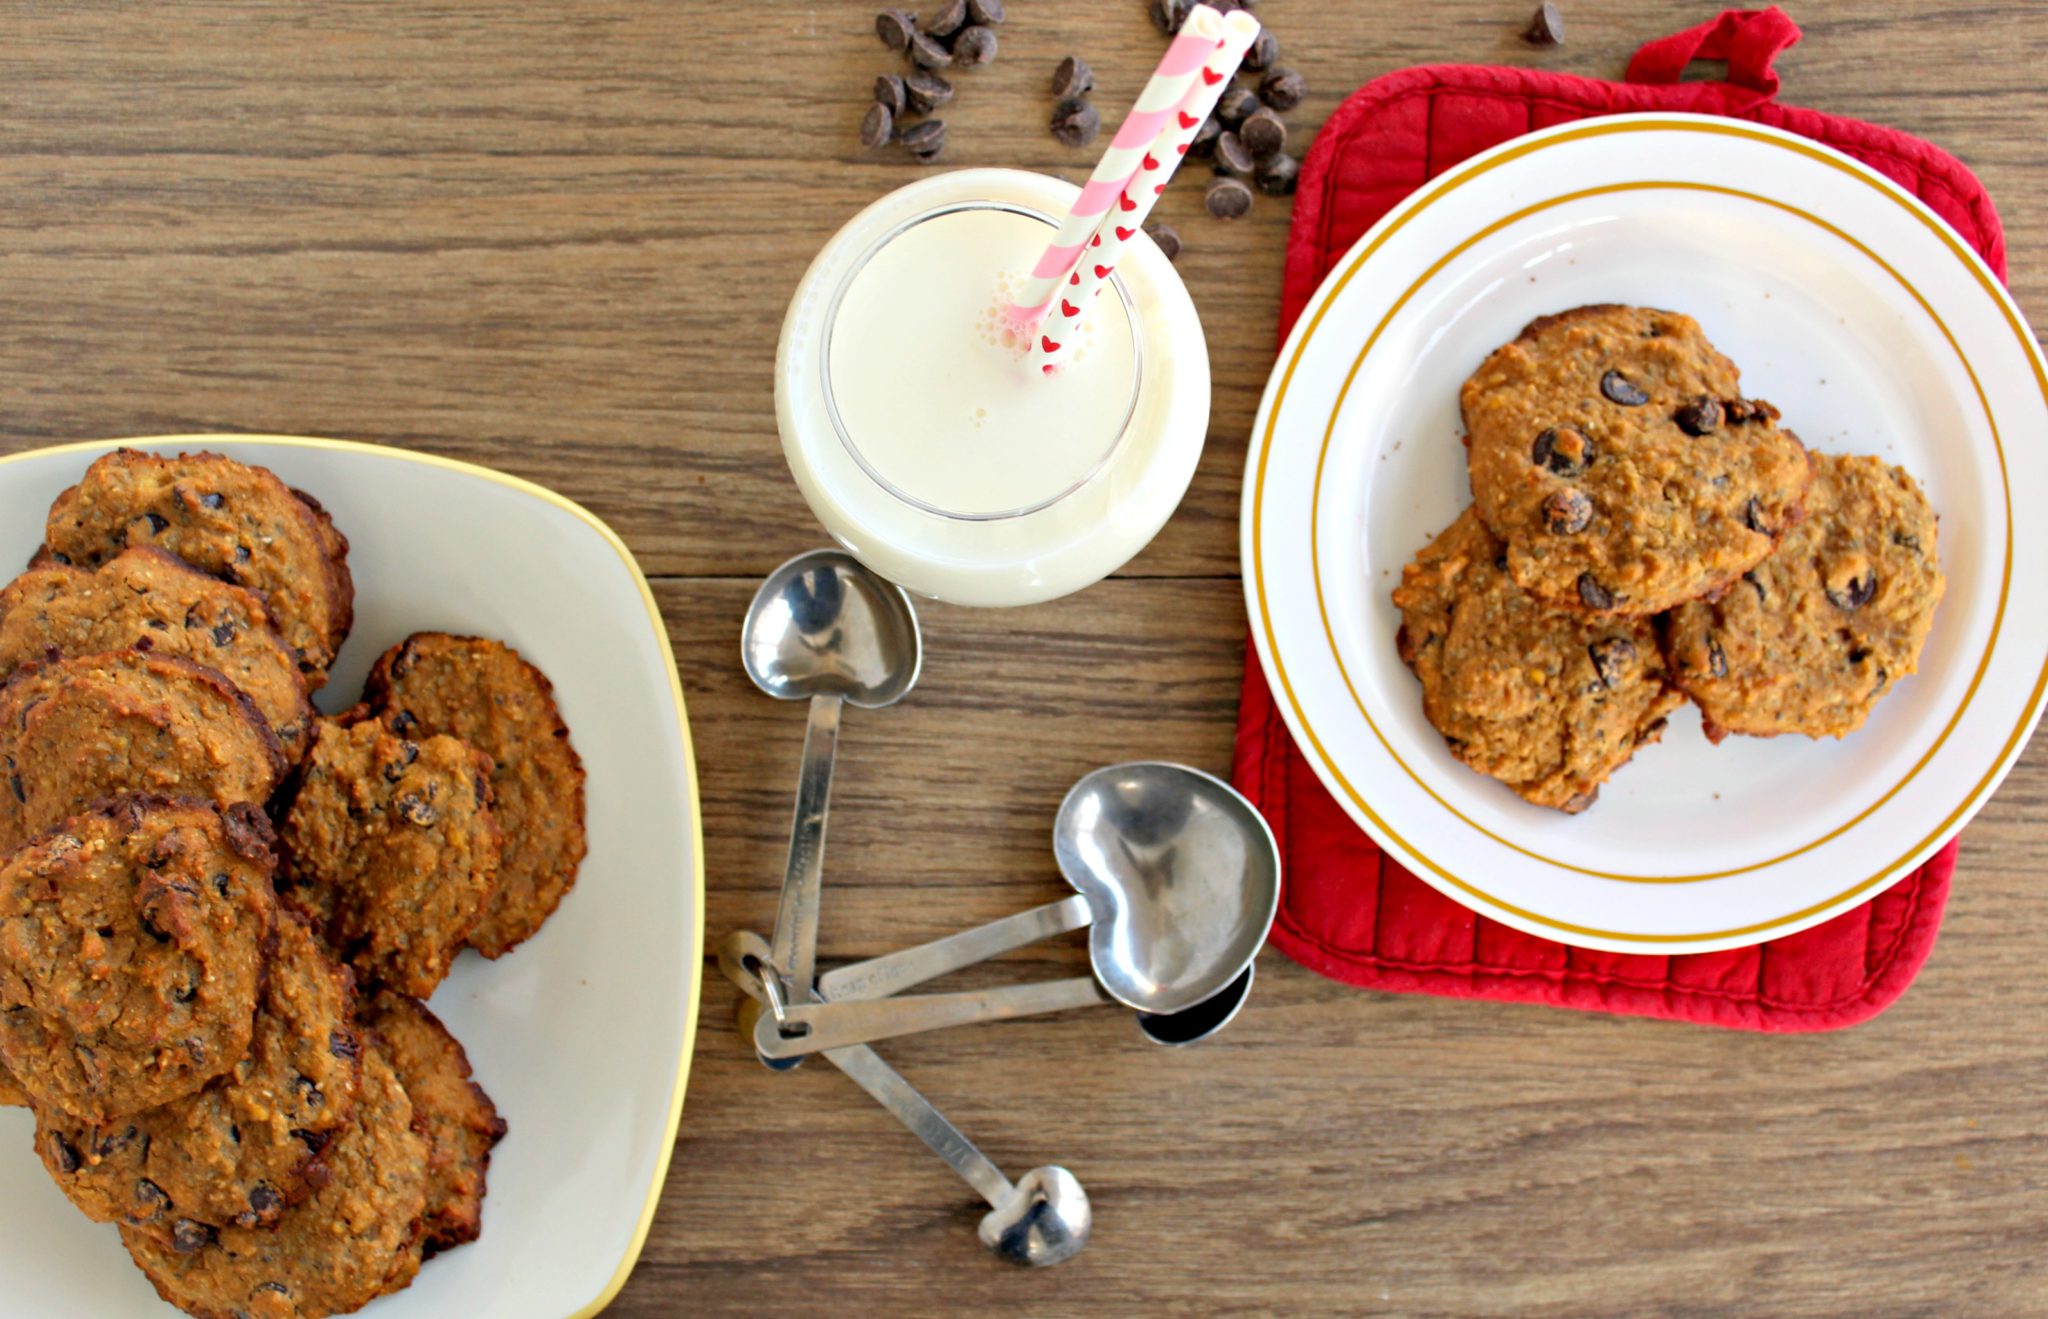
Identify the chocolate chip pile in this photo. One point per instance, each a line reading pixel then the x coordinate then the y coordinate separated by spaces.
pixel 962 34
pixel 1246 138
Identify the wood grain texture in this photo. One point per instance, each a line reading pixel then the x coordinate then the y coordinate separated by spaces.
pixel 558 239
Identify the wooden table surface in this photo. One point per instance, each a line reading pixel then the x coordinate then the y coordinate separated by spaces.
pixel 557 239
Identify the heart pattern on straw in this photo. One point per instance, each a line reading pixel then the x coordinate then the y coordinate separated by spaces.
pixel 1156 165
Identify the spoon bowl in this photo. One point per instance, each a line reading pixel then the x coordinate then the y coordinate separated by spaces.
pixel 1045 1219
pixel 1181 874
pixel 824 625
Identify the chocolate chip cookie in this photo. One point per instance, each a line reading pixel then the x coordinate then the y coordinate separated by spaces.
pixel 152 601
pixel 249 1144
pixel 1549 701
pixel 484 693
pixel 238 522
pixel 1611 449
pixel 76 730
pixel 355 1238
pixel 1812 637
pixel 132 945
pixel 462 1124
pixel 391 846
pixel 11 1095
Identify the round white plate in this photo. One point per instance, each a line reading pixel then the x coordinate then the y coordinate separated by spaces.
pixel 582 1035
pixel 1846 303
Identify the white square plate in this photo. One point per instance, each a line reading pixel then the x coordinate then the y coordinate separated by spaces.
pixel 582 1035
pixel 1845 302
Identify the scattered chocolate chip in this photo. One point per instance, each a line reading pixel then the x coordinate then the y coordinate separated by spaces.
pixel 1232 157
pixel 1075 123
pixel 115 1141
pixel 1203 144
pixel 223 633
pixel 241 554
pixel 889 92
pixel 1567 512
pixel 1579 801
pixel 156 523
pixel 1753 516
pixel 1620 389
pixel 188 1236
pixel 1228 199
pixel 1237 105
pixel 271 1289
pixel 877 126
pixel 1702 416
pixel 1072 77
pixel 1611 658
pixel 1906 540
pixel 1858 654
pixel 211 500
pixel 1736 410
pixel 952 16
pixel 1593 594
pixel 64 1154
pixel 1283 89
pixel 1164 238
pixel 1264 50
pixel 927 53
pixel 1854 593
pixel 974 46
pixel 150 1201
pixel 1546 28
pixel 895 28
pixel 150 928
pixel 989 13
pixel 309 1092
pixel 926 140
pixel 1756 584
pixel 1277 174
pixel 1168 15
pixel 14 786
pixel 926 91
pixel 1882 679
pixel 1562 450
pixel 404 722
pixel 314 1141
pixel 220 883
pixel 264 1200
pixel 1263 133
pixel 1717 658
pixel 342 1044
pixel 415 810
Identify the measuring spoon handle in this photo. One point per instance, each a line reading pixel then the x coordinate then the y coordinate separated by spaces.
pixel 835 1025
pixel 795 955
pixel 879 977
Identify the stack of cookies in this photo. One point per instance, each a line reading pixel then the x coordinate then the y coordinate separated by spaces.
pixel 220 911
pixel 1642 535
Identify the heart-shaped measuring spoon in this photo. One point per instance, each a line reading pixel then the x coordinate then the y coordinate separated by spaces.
pixel 1176 875
pixel 823 628
pixel 1040 1219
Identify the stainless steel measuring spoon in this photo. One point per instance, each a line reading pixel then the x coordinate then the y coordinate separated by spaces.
pixel 1176 874
pixel 823 628
pixel 1040 1219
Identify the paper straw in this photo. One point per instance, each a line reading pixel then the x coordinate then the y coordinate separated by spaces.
pixel 1155 108
pixel 1061 327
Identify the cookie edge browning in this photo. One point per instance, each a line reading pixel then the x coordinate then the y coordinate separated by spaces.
pixel 339 579
pixel 247 832
pixel 280 764
pixel 375 704
pixel 439 1232
pixel 257 609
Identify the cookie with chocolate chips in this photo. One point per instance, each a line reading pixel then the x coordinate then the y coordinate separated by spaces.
pixel 238 522
pixel 391 846
pixel 483 692
pixel 1814 636
pixel 250 1144
pixel 132 945
pixel 76 730
pixel 1549 701
pixel 355 1238
pixel 460 1121
pixel 149 600
pixel 1610 448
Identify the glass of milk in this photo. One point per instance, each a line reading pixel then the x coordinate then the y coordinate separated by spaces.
pixel 931 446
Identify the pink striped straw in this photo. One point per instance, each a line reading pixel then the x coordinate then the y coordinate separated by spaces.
pixel 1156 106
pixel 1054 339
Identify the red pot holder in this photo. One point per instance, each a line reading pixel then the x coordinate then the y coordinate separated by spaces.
pixel 1349 913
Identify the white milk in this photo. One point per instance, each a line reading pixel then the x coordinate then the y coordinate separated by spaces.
pixel 926 442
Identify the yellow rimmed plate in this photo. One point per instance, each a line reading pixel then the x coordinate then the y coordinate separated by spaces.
pixel 583 1034
pixel 1847 303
